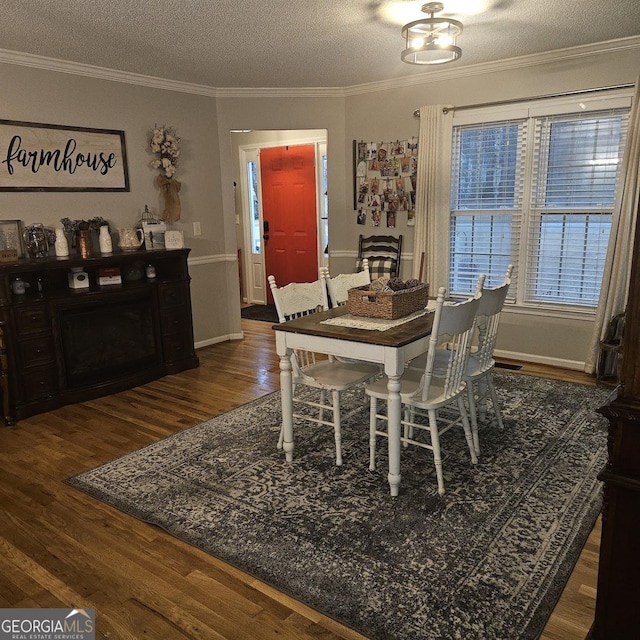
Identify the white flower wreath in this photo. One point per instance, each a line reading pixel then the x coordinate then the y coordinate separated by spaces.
pixel 166 144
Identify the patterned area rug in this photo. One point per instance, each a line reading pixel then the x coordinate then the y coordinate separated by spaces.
pixel 489 559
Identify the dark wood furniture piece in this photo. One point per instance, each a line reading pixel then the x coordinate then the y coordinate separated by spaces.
pixel 60 345
pixel 618 595
pixel 383 253
pixel 608 369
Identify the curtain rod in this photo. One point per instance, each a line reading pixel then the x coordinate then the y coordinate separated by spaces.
pixel 416 113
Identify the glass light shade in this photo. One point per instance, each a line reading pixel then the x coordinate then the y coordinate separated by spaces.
pixel 431 41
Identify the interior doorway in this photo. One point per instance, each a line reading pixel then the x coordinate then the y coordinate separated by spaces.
pixel 250 204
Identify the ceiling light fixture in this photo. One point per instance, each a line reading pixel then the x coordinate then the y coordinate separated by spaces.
pixel 431 40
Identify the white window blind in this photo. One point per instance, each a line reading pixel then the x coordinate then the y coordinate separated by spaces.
pixel 487 186
pixel 539 193
pixel 576 161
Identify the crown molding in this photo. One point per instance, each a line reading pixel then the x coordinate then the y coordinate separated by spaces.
pixel 102 73
pixel 280 92
pixel 453 73
pixel 113 75
pixel 76 68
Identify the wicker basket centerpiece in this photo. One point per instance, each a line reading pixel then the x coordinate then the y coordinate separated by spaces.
pixel 388 298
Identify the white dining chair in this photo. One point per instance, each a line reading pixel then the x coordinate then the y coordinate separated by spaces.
pixel 313 370
pixel 481 365
pixel 423 394
pixel 338 286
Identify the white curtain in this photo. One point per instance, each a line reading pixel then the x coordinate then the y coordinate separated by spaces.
pixel 617 268
pixel 432 195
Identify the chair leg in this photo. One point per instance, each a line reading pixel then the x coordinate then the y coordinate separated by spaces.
pixel 435 444
pixel 494 400
pixel 408 430
pixel 373 411
pixel 281 437
pixel 337 432
pixel 409 416
pixel 482 400
pixel 473 414
pixel 467 430
pixel 323 399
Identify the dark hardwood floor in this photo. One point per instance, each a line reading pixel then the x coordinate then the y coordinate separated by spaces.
pixel 60 548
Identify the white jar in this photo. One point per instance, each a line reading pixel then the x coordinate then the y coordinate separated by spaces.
pixel 18 286
pixel 61 244
pixel 104 238
pixel 78 278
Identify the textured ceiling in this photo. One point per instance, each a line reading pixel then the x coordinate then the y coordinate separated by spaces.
pixel 299 43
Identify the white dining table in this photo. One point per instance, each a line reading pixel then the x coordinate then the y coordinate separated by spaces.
pixel 391 348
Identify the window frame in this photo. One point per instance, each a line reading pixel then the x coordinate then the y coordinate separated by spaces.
pixel 529 111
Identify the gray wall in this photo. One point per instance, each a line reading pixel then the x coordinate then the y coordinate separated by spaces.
pixel 36 95
pixel 554 339
pixel 204 119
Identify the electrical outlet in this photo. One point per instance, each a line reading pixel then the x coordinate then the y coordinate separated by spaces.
pixel 197 230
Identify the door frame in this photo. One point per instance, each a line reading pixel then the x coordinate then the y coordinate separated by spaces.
pixel 255 278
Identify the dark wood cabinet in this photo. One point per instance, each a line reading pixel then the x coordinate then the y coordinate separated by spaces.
pixel 618 595
pixel 60 345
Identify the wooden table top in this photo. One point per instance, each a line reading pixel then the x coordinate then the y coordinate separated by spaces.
pixel 395 337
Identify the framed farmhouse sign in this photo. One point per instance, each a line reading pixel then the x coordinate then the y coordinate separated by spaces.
pixel 49 157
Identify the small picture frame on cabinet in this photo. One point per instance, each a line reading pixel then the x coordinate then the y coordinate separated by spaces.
pixel 11 240
pixel 154 233
pixel 173 239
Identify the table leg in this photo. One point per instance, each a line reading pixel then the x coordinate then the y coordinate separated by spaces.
pixel 394 409
pixel 286 394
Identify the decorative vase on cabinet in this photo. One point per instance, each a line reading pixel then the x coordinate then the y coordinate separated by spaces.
pixel 61 244
pixel 35 240
pixel 104 239
pixel 83 242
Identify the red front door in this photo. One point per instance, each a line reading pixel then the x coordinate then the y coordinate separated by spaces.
pixel 288 179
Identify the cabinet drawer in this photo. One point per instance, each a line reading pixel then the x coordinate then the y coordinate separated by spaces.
pixel 173 293
pixel 174 320
pixel 31 319
pixel 40 382
pixel 37 351
pixel 176 348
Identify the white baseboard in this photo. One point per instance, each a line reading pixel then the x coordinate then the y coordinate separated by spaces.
pixel 217 339
pixel 553 362
pixel 576 365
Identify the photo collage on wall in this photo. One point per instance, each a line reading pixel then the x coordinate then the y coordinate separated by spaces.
pixel 385 182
